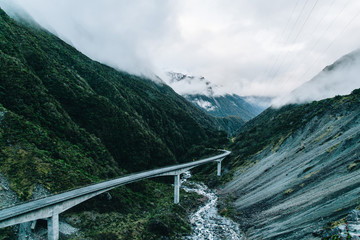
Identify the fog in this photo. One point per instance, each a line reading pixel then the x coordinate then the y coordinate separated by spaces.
pixel 341 78
pixel 250 48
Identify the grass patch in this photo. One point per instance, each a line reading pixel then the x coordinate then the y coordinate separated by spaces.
pixel 289 191
pixel 331 149
pixel 311 174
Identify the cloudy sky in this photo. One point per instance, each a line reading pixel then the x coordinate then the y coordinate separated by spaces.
pixel 248 47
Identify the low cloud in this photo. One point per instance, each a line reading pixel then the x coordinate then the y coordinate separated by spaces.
pixel 250 48
pixel 341 78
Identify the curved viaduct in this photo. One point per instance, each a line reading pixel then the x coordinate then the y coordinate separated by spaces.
pixel 50 207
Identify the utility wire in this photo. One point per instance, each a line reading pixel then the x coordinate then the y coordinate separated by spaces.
pixel 297 35
pixel 288 37
pixel 343 31
pixel 292 58
pixel 316 28
pixel 273 63
pixel 316 62
pixel 307 18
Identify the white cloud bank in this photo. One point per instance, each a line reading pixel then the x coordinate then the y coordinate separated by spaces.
pixel 260 47
pixel 341 78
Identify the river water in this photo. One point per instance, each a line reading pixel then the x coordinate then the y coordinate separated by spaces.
pixel 206 222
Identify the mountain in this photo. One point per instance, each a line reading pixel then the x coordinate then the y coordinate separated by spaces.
pixel 227 105
pixel 67 121
pixel 201 93
pixel 295 170
pixel 339 78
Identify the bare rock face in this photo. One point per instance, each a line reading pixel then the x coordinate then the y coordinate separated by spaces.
pixel 7 196
pixel 350 229
pixel 308 179
pixel 40 192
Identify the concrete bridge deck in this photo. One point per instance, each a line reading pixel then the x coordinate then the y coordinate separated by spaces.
pixel 50 207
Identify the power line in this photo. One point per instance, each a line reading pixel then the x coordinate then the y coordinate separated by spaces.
pixel 288 37
pixel 315 63
pixel 273 63
pixel 297 35
pixel 317 26
pixel 343 31
pixel 307 18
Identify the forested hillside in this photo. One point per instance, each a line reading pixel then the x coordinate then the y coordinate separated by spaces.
pixel 67 121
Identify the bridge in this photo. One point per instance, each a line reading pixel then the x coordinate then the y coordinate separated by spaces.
pixel 50 207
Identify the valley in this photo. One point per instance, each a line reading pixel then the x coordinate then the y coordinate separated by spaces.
pixel 68 121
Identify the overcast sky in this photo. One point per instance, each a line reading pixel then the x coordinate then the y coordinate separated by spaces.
pixel 248 47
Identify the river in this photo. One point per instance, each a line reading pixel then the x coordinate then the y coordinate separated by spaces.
pixel 206 222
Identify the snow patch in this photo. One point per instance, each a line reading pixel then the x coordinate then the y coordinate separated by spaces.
pixel 205 105
pixel 185 84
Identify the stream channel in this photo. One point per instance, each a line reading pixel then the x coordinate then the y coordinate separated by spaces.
pixel 206 222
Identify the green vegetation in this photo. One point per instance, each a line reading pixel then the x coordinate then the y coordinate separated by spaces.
pixel 31 154
pixel 70 116
pixel 67 121
pixel 271 128
pixel 289 191
pixel 150 214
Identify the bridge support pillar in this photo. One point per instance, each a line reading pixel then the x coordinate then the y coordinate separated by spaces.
pixel 24 231
pixel 53 227
pixel 177 189
pixel 219 168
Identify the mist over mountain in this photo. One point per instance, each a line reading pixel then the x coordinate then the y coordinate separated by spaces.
pixel 205 95
pixel 296 171
pixel 67 121
pixel 339 78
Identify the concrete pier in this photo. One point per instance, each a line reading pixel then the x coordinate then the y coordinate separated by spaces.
pixel 50 207
pixel 53 227
pixel 219 168
pixel 177 189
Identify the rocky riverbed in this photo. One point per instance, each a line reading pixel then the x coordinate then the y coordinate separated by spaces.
pixel 206 222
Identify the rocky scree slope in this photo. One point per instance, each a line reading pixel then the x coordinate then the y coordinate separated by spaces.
pixel 296 169
pixel 67 121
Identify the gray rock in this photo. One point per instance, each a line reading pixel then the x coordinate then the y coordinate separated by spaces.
pixel 24 231
pixel 352 216
pixel 40 192
pixel 318 233
pixel 7 196
pixel 331 232
pixel 354 228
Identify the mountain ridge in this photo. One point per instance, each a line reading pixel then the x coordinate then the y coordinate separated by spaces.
pixel 68 121
pixel 202 93
pixel 338 78
pixel 293 168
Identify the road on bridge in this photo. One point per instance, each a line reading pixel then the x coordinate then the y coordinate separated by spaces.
pixel 50 207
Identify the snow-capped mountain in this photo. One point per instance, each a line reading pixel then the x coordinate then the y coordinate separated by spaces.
pixel 185 84
pixel 223 106
pixel 201 92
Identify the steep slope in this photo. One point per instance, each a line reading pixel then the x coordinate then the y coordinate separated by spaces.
pixel 224 106
pixel 141 123
pixel 202 93
pixel 67 121
pixel 296 168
